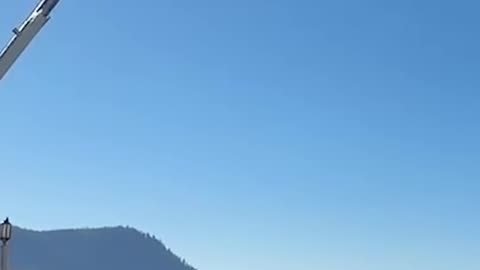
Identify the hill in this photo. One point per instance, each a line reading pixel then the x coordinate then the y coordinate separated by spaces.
pixel 116 248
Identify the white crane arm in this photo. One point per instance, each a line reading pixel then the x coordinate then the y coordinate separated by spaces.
pixel 24 34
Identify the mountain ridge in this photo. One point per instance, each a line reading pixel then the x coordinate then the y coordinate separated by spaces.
pixel 96 248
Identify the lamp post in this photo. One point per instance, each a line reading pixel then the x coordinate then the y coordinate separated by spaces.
pixel 5 235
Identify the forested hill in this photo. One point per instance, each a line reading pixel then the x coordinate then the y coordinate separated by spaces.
pixel 116 248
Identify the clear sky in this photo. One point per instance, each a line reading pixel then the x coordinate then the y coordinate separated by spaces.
pixel 336 135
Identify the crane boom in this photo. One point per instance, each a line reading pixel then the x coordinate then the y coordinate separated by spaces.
pixel 24 34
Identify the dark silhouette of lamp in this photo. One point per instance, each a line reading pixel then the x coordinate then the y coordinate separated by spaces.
pixel 5 235
pixel 5 231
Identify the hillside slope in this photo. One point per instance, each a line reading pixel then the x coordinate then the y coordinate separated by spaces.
pixel 117 248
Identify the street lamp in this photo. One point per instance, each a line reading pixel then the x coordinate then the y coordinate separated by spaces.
pixel 5 231
pixel 5 235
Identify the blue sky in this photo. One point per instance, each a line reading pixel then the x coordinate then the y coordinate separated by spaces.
pixel 253 134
